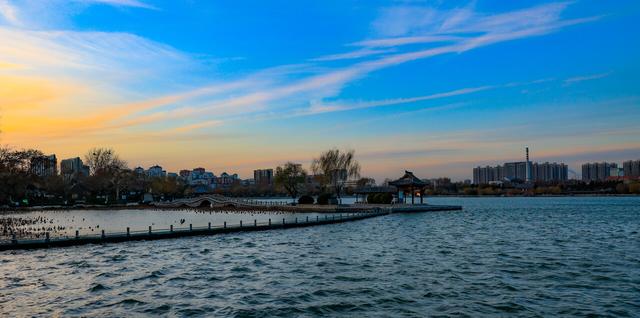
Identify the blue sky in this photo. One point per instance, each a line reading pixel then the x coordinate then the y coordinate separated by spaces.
pixel 432 86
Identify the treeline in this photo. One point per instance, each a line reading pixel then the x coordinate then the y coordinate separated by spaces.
pixel 566 188
pixel 110 181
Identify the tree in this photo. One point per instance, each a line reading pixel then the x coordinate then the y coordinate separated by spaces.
pixel 15 174
pixel 366 182
pixel 290 176
pixel 168 187
pixel 108 171
pixel 103 160
pixel 336 168
pixel 634 188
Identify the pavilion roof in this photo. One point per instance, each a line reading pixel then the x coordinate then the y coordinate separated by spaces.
pixel 408 180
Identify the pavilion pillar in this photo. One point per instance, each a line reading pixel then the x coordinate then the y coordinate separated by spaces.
pixel 421 196
pixel 413 192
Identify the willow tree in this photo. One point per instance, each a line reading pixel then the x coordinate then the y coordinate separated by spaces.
pixel 290 176
pixel 336 168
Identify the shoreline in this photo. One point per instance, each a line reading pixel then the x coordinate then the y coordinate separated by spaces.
pixel 281 208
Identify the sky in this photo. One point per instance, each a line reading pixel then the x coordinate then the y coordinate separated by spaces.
pixel 435 87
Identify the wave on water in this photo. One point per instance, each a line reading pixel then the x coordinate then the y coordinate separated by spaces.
pixel 498 257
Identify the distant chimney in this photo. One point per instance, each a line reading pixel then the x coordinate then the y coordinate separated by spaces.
pixel 527 150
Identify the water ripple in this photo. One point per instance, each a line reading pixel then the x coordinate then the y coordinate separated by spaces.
pixel 529 257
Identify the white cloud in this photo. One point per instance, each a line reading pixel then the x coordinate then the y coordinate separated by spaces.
pixel 88 55
pixel 399 41
pixel 351 55
pixel 586 78
pixel 403 20
pixel 319 108
pixel 410 24
pixel 282 98
pixel 50 14
pixel 120 3
pixel 9 13
pixel 119 58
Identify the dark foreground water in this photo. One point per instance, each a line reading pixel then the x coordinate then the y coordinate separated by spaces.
pixel 500 256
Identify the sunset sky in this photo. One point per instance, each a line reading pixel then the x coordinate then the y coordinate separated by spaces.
pixel 436 87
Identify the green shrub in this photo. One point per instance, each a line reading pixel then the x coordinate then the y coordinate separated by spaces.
pixel 470 191
pixel 380 198
pixel 324 198
pixel 305 199
pixel 385 198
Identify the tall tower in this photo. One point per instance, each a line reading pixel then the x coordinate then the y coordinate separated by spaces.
pixel 528 169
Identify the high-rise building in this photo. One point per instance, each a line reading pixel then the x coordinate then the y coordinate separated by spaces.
pixel 44 166
pixel 597 171
pixel 73 167
pixel 263 176
pixel 526 171
pixel 616 172
pixel 488 174
pixel 549 172
pixel 515 170
pixel 631 168
pixel 528 168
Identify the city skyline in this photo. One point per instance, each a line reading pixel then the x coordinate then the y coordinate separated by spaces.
pixel 433 88
pixel 540 170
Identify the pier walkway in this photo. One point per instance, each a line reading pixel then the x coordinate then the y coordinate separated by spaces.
pixel 340 214
pixel 156 234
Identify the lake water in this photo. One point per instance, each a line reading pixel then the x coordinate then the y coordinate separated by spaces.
pixel 60 223
pixel 499 256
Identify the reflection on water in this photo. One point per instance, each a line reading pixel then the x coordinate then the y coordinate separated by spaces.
pixel 499 256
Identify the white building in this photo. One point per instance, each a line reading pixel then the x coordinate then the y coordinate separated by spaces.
pixel 156 172
pixel 73 167
pixel 44 166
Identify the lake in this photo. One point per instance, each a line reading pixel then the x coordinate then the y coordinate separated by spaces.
pixel 61 223
pixel 499 256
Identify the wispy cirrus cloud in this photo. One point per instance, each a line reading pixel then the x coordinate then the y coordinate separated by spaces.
pixel 413 20
pixel 347 105
pixel 9 12
pixel 43 14
pixel 352 55
pixel 587 77
pixel 122 59
pixel 400 41
pixel 329 82
pixel 120 3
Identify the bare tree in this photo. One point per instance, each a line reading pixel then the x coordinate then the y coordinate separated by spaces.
pixel 290 176
pixel 336 168
pixel 15 174
pixel 366 182
pixel 107 169
pixel 103 160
